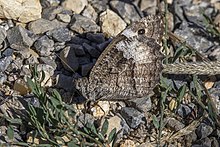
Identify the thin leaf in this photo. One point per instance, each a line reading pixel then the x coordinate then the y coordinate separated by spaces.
pixel 112 135
pixel 10 132
pixel 181 93
pixel 155 122
pixel 104 128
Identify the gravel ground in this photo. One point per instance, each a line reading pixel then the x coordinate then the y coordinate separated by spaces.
pixel 64 38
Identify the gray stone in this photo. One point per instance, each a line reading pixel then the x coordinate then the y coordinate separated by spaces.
pixel 41 26
pixel 65 82
pixel 174 124
pixel 90 12
pixel 91 50
pixel 69 59
pixel 205 142
pixel 75 5
pixel 79 40
pixel 64 17
pixel 78 49
pixel 203 130
pixel 4 63
pixel 127 11
pixel 8 52
pixel 103 45
pixel 98 38
pixel 50 13
pixel 18 38
pixel 99 6
pixel 49 61
pixel 190 138
pixel 82 24
pixel 142 104
pixel 132 116
pixel 184 110
pixel 195 40
pixel 84 60
pixel 3 34
pixel 85 68
pixel 60 34
pixel 193 12
pixel 44 46
pixel 84 119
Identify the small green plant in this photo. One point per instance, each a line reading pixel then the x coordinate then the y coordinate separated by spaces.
pixel 53 121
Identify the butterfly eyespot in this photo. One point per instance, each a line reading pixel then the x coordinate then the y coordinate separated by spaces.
pixel 141 31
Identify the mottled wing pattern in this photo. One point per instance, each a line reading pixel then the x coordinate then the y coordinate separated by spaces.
pixel 130 66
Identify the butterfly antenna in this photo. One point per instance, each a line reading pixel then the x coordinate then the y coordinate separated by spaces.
pixel 65 63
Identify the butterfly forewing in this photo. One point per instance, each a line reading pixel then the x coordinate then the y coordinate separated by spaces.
pixel 130 66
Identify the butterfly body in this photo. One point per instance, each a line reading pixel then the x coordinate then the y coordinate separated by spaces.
pixel 130 66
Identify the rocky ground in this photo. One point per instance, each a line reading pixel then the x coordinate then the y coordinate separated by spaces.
pixel 64 38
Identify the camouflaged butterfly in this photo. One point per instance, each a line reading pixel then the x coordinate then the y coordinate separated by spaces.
pixel 130 66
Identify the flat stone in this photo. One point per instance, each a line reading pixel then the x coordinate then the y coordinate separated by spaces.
pixel 23 11
pixel 64 17
pixel 18 38
pixel 90 12
pixel 114 122
pixel 60 34
pixel 82 24
pixel 91 50
pixel 204 130
pixel 111 23
pixel 44 46
pixel 126 10
pixel 3 34
pixel 98 37
pixel 174 124
pixel 49 13
pixel 78 49
pixel 99 6
pixel 142 104
pixel 132 116
pixel 75 5
pixel 86 68
pixel 69 59
pixel 41 26
pixel 64 82
pixel 21 86
pixel 8 52
pixel 195 40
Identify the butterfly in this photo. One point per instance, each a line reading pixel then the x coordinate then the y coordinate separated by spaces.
pixel 130 66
